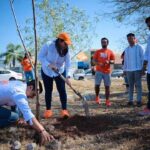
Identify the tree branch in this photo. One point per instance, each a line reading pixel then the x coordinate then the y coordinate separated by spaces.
pixel 19 33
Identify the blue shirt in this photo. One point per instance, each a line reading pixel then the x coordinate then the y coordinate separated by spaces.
pixel 133 58
pixel 147 55
pixel 49 55
pixel 14 93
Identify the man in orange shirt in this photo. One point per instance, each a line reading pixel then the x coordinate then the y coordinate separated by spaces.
pixel 102 59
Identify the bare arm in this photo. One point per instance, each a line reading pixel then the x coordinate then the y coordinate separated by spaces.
pixel 44 134
pixel 111 62
pixel 22 104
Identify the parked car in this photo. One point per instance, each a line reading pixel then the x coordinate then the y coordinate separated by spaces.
pixel 88 74
pixel 17 69
pixel 117 73
pixel 6 74
pixel 79 74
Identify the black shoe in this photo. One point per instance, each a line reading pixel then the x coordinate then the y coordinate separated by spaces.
pixel 139 104
pixel 130 104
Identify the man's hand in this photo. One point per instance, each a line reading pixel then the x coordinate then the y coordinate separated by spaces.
pixel 52 66
pixel 22 122
pixel 111 62
pixel 46 137
pixel 107 62
pixel 68 81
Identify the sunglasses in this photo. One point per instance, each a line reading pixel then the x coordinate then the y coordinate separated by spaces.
pixel 61 40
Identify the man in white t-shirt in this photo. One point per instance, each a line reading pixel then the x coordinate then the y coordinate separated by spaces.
pixel 133 62
pixel 15 93
pixel 146 64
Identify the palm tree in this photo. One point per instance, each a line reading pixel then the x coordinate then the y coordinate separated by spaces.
pixel 14 53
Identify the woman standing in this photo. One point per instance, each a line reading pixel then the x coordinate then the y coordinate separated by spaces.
pixel 55 56
pixel 27 67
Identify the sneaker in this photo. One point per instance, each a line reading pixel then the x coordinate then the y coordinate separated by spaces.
pixel 139 104
pixel 108 103
pixel 97 100
pixel 130 103
pixel 65 114
pixel 48 114
pixel 146 111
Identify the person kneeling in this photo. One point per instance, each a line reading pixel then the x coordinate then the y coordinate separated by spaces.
pixel 16 93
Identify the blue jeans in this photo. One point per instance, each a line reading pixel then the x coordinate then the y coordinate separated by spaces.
pixel 135 78
pixel 29 75
pixel 7 117
pixel 148 85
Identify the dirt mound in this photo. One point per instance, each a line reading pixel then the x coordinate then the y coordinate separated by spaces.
pixel 93 125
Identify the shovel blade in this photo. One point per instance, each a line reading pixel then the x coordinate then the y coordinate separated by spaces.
pixel 86 107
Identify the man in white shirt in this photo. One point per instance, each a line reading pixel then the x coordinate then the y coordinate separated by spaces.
pixel 133 62
pixel 146 64
pixel 15 93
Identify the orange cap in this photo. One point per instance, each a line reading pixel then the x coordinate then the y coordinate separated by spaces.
pixel 64 36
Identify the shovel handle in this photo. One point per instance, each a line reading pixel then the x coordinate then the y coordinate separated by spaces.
pixel 76 92
pixel 85 105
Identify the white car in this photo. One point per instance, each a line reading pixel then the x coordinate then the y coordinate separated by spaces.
pixel 88 74
pixel 79 74
pixel 117 73
pixel 6 74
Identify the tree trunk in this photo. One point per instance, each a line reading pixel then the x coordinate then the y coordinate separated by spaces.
pixel 14 62
pixel 35 67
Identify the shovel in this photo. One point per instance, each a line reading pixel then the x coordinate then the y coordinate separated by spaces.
pixel 84 102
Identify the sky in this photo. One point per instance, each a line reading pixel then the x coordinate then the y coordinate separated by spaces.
pixel 114 31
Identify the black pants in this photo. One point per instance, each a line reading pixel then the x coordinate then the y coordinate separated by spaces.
pixel 60 84
pixel 148 85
